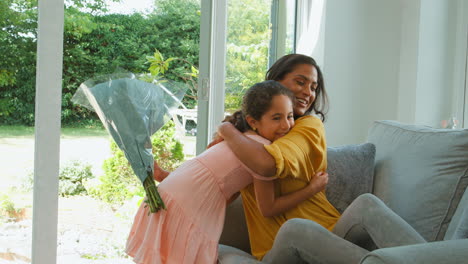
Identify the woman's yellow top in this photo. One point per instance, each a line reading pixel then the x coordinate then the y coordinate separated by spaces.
pixel 299 155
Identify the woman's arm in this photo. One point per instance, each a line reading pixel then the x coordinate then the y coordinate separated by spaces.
pixel 250 152
pixel 159 174
pixel 270 205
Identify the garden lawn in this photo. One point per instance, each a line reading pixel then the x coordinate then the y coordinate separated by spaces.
pixel 86 145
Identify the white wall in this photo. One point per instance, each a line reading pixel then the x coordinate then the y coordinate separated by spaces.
pixel 406 108
pixel 361 66
pixel 387 60
pixel 435 63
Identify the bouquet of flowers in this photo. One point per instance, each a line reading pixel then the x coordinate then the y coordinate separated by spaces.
pixel 132 110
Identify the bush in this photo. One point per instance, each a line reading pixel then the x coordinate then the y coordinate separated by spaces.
pixel 72 177
pixel 8 209
pixel 168 152
pixel 119 182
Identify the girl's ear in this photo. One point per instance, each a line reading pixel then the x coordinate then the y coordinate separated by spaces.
pixel 251 121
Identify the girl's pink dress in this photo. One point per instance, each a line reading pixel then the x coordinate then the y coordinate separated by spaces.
pixel 195 195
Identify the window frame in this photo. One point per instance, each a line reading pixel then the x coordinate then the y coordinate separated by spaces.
pixel 460 77
pixel 47 130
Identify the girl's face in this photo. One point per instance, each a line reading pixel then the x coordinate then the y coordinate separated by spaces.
pixel 303 82
pixel 277 121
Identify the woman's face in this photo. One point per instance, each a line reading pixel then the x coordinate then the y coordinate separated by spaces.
pixel 277 121
pixel 303 82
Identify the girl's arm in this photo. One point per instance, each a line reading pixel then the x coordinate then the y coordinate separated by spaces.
pixel 250 152
pixel 270 205
pixel 159 174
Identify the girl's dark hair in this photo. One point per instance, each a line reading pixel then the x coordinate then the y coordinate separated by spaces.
pixel 256 102
pixel 287 64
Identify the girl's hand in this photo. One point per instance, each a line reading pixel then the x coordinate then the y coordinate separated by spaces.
pixel 159 174
pixel 318 182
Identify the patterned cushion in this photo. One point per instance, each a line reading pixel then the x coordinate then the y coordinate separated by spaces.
pixel 351 172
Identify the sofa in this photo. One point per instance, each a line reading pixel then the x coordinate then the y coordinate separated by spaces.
pixel 421 173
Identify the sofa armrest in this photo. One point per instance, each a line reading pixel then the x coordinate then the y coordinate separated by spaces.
pixel 447 252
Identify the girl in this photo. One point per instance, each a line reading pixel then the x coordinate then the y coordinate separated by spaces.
pixel 196 193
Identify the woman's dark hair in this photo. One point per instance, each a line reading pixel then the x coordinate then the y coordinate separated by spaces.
pixel 256 102
pixel 287 64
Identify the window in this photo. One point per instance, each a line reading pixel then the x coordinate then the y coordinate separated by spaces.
pixel 225 38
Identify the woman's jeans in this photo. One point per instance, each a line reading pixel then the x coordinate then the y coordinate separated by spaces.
pixel 365 225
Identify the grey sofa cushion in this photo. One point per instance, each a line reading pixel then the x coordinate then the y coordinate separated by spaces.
pixel 461 231
pixel 458 227
pixel 351 172
pixel 235 233
pixel 420 173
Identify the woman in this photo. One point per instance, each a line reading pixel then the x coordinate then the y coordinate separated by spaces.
pixel 294 157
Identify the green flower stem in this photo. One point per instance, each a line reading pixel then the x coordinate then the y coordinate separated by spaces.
pixel 153 198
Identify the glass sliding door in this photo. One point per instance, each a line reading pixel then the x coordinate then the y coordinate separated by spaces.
pixel 85 193
pixel 465 105
pixel 99 193
pixel 283 23
pixel 18 44
pixel 258 33
pixel 212 73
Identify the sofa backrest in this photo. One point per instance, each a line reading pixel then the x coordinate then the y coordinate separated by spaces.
pixel 421 173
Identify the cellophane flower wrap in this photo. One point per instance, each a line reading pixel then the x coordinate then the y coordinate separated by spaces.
pixel 132 108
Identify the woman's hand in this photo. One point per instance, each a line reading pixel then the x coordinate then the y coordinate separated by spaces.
pixel 159 174
pixel 224 128
pixel 216 139
pixel 318 182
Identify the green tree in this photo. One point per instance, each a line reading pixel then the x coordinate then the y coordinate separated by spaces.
pixel 179 41
pixel 160 67
pixel 94 44
pixel 18 21
pixel 97 44
pixel 247 50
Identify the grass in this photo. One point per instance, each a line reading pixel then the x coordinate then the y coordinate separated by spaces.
pixel 82 131
pixel 16 131
pixel 26 131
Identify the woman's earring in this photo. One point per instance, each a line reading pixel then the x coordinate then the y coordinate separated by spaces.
pixel 254 129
